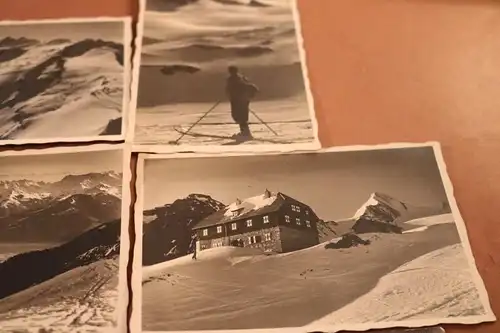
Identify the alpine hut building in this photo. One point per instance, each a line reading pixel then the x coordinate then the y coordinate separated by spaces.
pixel 271 222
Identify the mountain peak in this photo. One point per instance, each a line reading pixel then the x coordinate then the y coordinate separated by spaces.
pixel 379 198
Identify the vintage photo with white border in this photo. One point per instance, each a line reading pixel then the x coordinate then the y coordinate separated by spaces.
pixel 346 238
pixel 64 241
pixel 212 75
pixel 65 80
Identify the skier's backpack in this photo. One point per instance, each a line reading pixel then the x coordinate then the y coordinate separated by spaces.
pixel 252 90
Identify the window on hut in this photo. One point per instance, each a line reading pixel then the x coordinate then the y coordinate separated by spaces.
pixel 233 226
pixel 287 219
pixel 249 223
pixel 265 219
pixel 205 232
pixel 254 239
pixel 219 229
pixel 297 220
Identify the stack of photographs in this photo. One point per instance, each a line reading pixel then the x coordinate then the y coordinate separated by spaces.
pixel 203 126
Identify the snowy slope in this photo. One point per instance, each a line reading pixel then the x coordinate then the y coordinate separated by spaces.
pixel 186 294
pixel 80 300
pixel 48 86
pixel 437 284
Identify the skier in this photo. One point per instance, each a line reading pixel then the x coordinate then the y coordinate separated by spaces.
pixel 240 91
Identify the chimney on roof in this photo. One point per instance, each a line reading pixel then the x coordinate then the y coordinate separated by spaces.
pixel 238 201
pixel 267 194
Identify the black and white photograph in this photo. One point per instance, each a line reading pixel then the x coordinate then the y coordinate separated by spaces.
pixel 64 80
pixel 215 74
pixel 346 238
pixel 63 250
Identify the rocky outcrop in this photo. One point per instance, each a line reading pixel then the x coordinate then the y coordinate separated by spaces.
pixel 114 127
pixel 11 53
pixel 168 235
pixel 17 42
pixel 383 213
pixel 174 69
pixel 27 269
pixel 379 214
pixel 347 241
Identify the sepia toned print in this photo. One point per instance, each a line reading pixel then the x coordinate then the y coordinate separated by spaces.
pixel 352 238
pixel 64 80
pixel 63 248
pixel 221 75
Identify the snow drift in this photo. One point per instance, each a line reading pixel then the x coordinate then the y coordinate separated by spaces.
pixel 437 284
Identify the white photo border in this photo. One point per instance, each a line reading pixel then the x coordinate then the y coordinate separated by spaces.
pixel 121 314
pixel 166 148
pixel 489 316
pixel 127 68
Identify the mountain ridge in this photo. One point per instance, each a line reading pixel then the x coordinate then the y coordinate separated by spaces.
pixel 98 243
pixel 168 234
pixel 40 212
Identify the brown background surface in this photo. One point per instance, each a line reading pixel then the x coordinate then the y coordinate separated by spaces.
pixel 391 71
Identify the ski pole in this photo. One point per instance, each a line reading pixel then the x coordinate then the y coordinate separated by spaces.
pixel 193 125
pixel 264 123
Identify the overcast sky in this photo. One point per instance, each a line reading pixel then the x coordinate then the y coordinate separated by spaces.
pixel 53 167
pixel 112 31
pixel 335 185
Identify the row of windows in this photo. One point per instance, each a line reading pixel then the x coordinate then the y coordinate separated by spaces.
pixel 234 226
pixel 265 219
pixel 251 240
pixel 297 221
pixel 296 208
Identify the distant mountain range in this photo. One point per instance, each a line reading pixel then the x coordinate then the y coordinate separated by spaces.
pixel 58 211
pixel 17 42
pixel 167 229
pixel 81 212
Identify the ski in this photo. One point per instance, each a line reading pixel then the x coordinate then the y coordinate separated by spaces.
pixel 225 137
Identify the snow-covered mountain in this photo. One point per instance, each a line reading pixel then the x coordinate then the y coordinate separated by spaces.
pixel 22 41
pixel 58 211
pixel 99 243
pixel 168 234
pixel 383 213
pixel 47 85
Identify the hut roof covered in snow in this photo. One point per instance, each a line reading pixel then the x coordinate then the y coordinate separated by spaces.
pixel 243 209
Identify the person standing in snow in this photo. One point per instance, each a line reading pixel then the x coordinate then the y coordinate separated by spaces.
pixel 194 240
pixel 240 91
